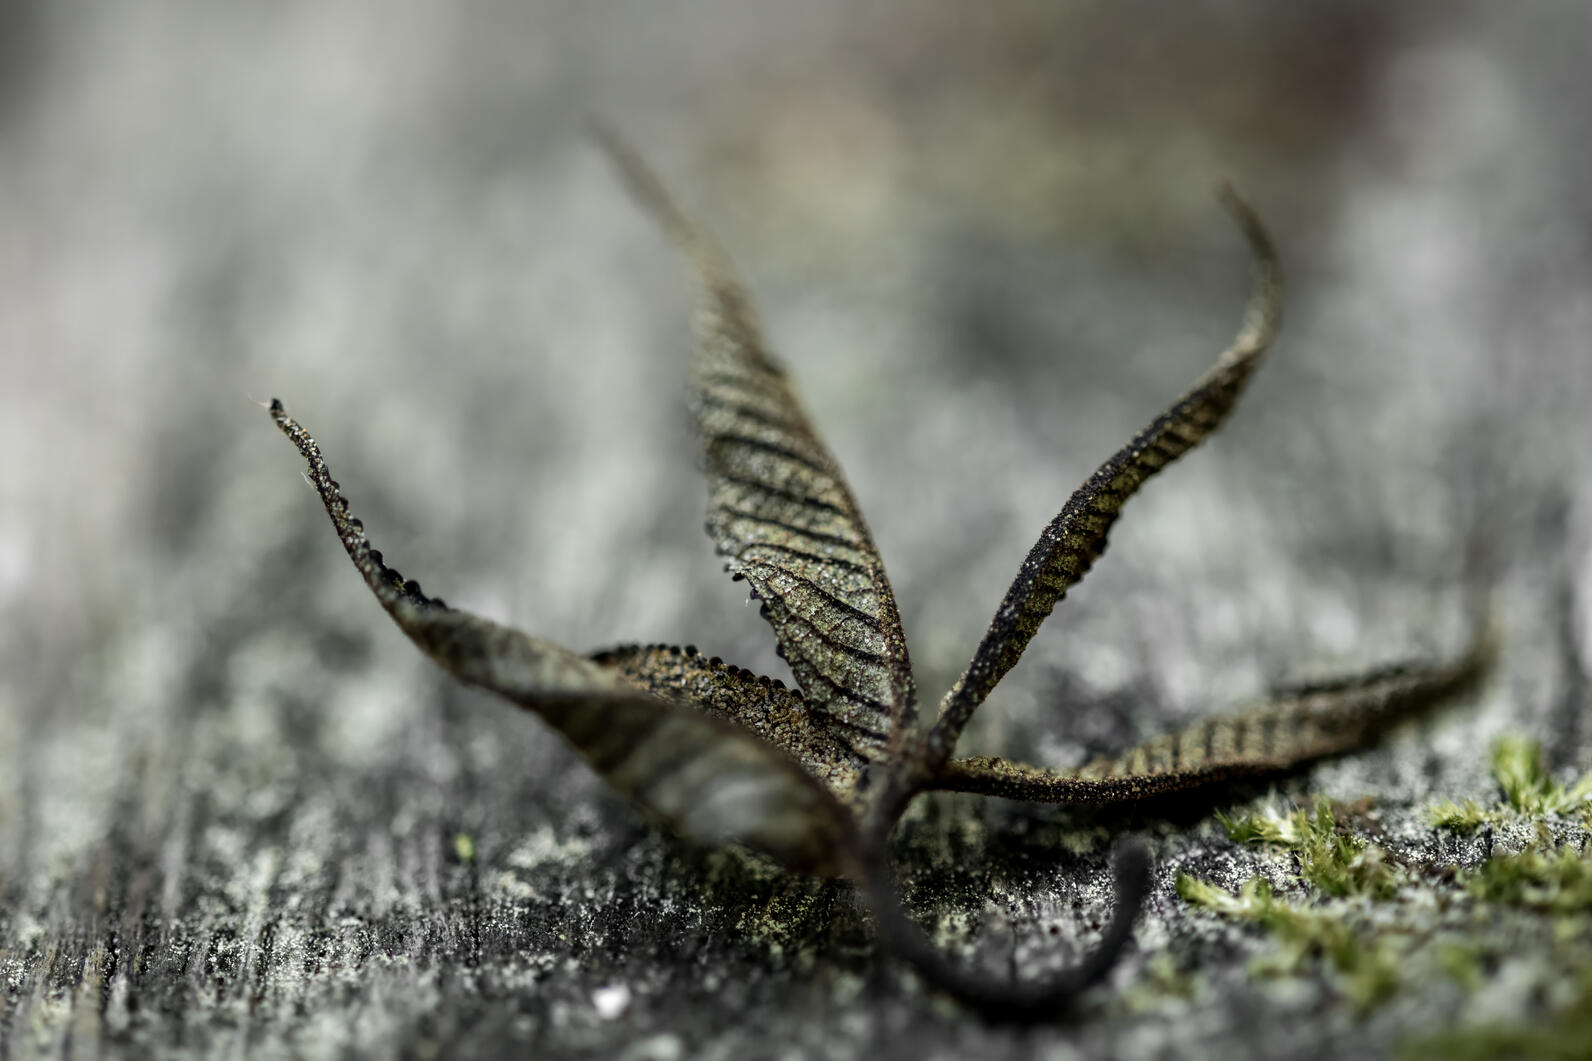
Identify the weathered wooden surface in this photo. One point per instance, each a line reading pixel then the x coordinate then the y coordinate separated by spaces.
pixel 238 813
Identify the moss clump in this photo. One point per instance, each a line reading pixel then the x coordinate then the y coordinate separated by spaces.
pixel 1517 764
pixel 1374 922
pixel 464 848
pixel 1463 962
pixel 1558 881
pixel 1367 969
pixel 1164 980
pixel 1527 789
pixel 1566 1035
pixel 1329 857
pixel 1461 817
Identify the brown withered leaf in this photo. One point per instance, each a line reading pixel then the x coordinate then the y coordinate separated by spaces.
pixel 817 777
pixel 1292 728
pixel 762 705
pixel 711 780
pixel 779 509
pixel 1072 542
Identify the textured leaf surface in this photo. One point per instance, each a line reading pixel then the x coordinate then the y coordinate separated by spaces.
pixel 779 509
pixel 1077 536
pixel 782 717
pixel 1299 725
pixel 706 778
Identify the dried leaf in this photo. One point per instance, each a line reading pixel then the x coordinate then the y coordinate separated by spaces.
pixel 1073 541
pixel 779 508
pixel 761 705
pixel 722 754
pixel 1301 725
pixel 708 779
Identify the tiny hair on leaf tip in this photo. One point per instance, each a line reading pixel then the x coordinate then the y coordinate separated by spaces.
pixel 817 776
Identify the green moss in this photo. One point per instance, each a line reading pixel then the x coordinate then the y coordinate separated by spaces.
pixel 1566 1034
pixel 464 847
pixel 1527 789
pixel 1461 817
pixel 1373 923
pixel 1517 764
pixel 1203 893
pixel 1462 963
pixel 1265 828
pixel 1366 967
pixel 1165 979
pixel 1558 881
pixel 1330 858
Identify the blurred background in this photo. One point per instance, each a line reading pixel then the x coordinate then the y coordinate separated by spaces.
pixel 983 239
